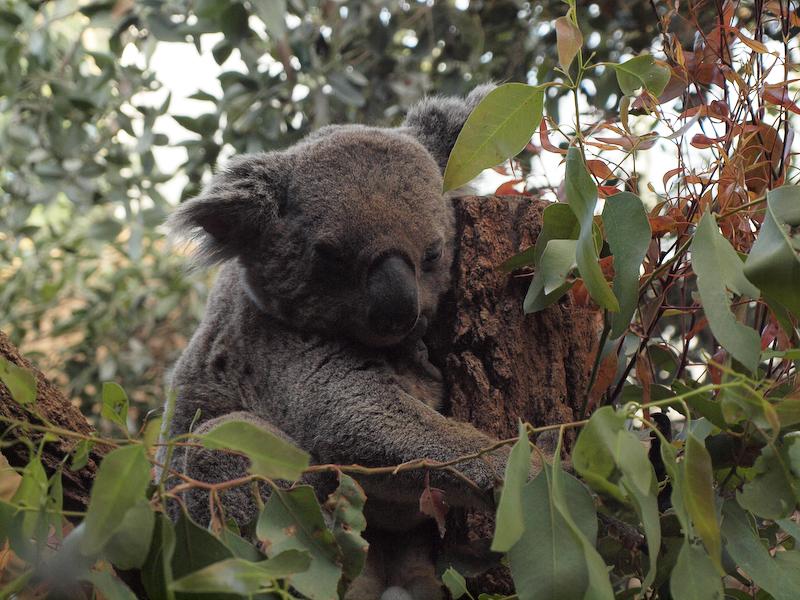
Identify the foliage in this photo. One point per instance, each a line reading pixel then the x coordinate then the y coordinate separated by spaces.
pixel 693 272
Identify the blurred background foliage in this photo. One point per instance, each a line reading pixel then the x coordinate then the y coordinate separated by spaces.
pixel 87 284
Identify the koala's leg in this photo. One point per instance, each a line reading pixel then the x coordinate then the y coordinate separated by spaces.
pixel 215 466
pixel 400 566
pixel 412 567
pixel 372 580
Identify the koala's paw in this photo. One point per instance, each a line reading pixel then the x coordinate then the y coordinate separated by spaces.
pixel 396 593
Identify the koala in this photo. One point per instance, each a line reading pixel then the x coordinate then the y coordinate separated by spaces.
pixel 335 253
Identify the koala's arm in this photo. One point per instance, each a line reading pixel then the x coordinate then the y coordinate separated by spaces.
pixel 350 413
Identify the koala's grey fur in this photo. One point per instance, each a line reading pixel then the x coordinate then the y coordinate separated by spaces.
pixel 287 343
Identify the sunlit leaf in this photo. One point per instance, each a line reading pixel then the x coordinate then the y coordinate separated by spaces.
pixel 497 129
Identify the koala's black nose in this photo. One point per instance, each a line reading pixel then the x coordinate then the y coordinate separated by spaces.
pixel 393 306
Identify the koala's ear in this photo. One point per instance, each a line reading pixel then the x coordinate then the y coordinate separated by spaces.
pixel 437 121
pixel 236 209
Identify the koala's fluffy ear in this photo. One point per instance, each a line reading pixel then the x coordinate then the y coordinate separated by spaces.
pixel 437 121
pixel 236 209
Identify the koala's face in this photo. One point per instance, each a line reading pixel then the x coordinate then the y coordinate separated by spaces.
pixel 362 241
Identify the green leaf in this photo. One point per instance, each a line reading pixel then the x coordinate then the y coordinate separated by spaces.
pixel 549 561
pixel 55 503
pixel 770 493
pixel 80 455
pixel 346 508
pixel 270 456
pixel 742 403
pixel 454 582
pixel 584 529
pixel 641 486
pixel 642 72
pixel 558 223
pixel 711 253
pixel 549 281
pixel 694 576
pixel 699 497
pixel 773 263
pixel 108 585
pixel 509 523
pixel 21 383
pixel 292 520
pixel 778 578
pixel 497 129
pixel 195 548
pixel 238 576
pixel 593 456
pixel 157 571
pixel 582 197
pixel 628 232
pixel 128 547
pixel 32 494
pixel 115 404
pixel 120 483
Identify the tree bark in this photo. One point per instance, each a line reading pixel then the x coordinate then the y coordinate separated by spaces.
pixel 499 364
pixel 51 407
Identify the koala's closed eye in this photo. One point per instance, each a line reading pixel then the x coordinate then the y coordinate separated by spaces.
pixel 432 254
pixel 329 252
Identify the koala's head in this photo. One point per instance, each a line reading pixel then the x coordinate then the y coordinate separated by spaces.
pixel 346 233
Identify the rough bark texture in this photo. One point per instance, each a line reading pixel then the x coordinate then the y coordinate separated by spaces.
pixel 53 407
pixel 501 365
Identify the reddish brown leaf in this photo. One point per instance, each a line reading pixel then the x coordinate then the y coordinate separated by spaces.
pixel 544 140
pixel 599 169
pixel 432 504
pixel 779 96
pixel 662 225
pixel 508 189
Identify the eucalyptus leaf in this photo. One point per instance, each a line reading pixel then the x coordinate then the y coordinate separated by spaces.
pixel 121 481
pixel 581 194
pixel 270 456
pixel 773 263
pixel 709 251
pixel 509 522
pixel 642 72
pixel 497 129
pixel 20 382
pixel 628 232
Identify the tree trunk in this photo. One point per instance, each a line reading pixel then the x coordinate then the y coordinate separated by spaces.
pixel 499 364
pixel 51 407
